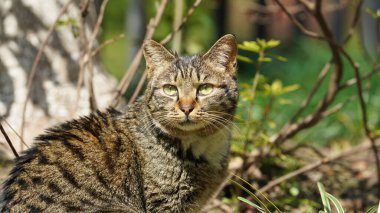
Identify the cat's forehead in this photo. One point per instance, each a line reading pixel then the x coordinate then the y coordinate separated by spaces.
pixel 187 62
pixel 188 68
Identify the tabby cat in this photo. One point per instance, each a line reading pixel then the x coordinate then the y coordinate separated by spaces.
pixel 168 152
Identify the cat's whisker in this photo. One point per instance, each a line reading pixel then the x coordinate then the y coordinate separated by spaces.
pixel 233 125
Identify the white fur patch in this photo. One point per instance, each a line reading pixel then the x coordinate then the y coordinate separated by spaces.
pixel 212 147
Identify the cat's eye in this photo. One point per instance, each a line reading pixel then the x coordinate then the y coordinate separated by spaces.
pixel 170 89
pixel 205 89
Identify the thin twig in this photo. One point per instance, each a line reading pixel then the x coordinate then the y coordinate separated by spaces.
pixel 297 23
pixel 363 109
pixel 86 58
pixel 312 166
pixel 354 22
pixel 313 91
pixel 324 71
pixel 163 42
pixel 35 64
pixel 291 129
pixel 16 133
pixel 8 141
pixel 83 41
pixel 92 97
pixel 127 78
pixel 184 20
pixel 106 43
pixel 353 81
pixel 178 13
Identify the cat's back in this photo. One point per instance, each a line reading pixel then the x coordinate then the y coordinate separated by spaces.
pixel 81 165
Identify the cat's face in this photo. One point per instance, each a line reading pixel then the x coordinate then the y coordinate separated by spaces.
pixel 193 92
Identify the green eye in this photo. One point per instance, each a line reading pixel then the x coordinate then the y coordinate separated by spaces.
pixel 170 89
pixel 205 89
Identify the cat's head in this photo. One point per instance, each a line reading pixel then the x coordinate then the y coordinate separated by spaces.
pixel 192 93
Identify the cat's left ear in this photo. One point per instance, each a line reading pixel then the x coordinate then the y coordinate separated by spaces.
pixel 156 56
pixel 223 54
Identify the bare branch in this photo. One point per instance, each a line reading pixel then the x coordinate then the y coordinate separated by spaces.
pixel 353 81
pixel 313 91
pixel 86 58
pixel 8 141
pixel 106 43
pixel 363 108
pixel 291 129
pixel 16 133
pixel 312 166
pixel 297 23
pixel 127 78
pixel 35 64
pixel 184 20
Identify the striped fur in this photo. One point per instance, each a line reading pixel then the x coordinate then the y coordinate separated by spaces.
pixel 146 159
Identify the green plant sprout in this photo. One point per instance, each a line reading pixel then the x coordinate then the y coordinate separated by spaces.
pixel 248 93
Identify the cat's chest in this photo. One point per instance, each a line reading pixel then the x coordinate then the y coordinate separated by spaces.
pixel 180 185
pixel 173 179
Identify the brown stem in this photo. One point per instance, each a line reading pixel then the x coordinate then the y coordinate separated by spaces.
pixel 297 23
pixel 86 59
pixel 8 141
pixel 127 78
pixel 363 109
pixel 106 43
pixel 291 129
pixel 313 91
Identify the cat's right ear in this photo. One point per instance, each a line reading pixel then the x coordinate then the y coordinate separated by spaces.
pixel 156 56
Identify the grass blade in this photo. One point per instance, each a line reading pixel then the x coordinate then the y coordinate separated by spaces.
pixel 325 201
pixel 336 202
pixel 251 204
pixel 373 209
pixel 254 188
pixel 252 195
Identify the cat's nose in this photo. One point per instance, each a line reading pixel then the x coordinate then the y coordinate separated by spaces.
pixel 187 108
pixel 186 105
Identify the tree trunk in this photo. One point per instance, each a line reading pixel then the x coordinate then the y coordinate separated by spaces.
pixel 23 28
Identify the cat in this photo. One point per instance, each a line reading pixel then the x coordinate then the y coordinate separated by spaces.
pixel 167 152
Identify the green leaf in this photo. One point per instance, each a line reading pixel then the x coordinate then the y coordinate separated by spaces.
pixel 264 59
pixel 325 201
pixel 272 43
pixel 284 101
pixel 336 202
pixel 290 88
pixel 245 59
pixel 251 46
pixel 276 87
pixel 251 204
pixel 262 43
pixel 280 58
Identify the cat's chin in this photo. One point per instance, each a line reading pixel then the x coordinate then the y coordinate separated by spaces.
pixel 189 125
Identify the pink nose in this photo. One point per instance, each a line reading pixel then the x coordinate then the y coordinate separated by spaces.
pixel 187 108
pixel 186 105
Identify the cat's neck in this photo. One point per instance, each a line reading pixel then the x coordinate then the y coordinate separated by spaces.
pixel 213 147
pixel 210 144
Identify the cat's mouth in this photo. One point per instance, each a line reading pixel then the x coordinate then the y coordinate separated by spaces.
pixel 187 121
